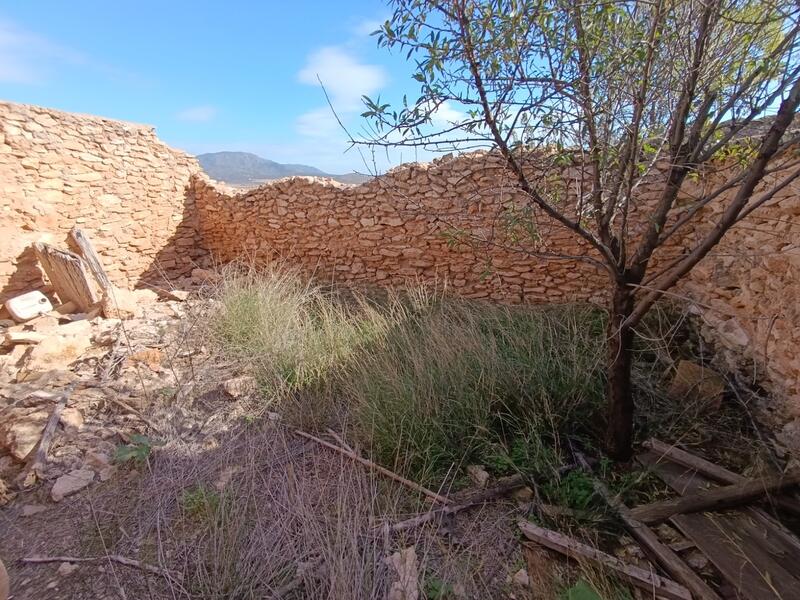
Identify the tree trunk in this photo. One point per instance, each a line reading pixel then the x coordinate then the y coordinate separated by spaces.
pixel 619 433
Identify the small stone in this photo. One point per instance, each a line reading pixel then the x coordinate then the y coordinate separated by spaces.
pixel 240 387
pixel 71 418
pixel 524 494
pixel 478 475
pixel 72 482
pixel 151 357
pixel 66 569
pixel 177 295
pixel 121 304
pixel 699 383
pixel 96 460
pixel 521 578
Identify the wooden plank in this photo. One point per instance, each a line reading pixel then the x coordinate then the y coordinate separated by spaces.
pixel 67 273
pixel 715 499
pixel 713 471
pixel 37 458
pixel 757 561
pixel 660 587
pixel 656 551
pixel 87 251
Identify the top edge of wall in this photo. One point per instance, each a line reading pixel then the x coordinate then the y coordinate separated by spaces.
pixel 22 107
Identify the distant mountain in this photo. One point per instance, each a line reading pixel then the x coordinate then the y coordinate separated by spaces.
pixel 244 168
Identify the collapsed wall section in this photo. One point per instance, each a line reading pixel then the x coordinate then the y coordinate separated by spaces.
pixel 116 180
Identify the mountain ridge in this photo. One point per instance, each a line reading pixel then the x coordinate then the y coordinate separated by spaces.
pixel 246 168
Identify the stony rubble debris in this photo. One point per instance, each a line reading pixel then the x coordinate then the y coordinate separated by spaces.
pixel 121 370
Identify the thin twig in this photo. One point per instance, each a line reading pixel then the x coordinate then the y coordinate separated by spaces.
pixel 502 488
pixel 375 467
pixel 114 557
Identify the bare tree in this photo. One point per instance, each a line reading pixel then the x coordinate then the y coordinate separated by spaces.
pixel 629 92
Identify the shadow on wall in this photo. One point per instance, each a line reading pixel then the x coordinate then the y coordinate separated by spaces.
pixel 184 250
pixel 144 259
pixel 26 277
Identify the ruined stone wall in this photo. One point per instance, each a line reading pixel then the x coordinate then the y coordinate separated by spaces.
pixel 411 224
pixel 456 221
pixel 116 180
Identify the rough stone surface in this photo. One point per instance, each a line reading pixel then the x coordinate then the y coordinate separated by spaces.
pixel 20 430
pixel 150 212
pixel 72 482
pixel 399 229
pixel 240 387
pixel 117 181
pixel 693 382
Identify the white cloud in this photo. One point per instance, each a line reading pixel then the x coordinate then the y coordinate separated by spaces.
pixel 318 123
pixel 345 78
pixel 446 115
pixel 366 27
pixel 28 58
pixel 197 114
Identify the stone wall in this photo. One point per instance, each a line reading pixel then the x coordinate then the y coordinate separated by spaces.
pixel 411 224
pixel 457 221
pixel 116 180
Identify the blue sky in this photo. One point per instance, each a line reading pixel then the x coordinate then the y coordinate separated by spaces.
pixel 209 75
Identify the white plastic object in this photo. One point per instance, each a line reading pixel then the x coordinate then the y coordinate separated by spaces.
pixel 28 305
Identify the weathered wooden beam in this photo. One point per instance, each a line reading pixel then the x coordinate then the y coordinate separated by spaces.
pixel 752 554
pixel 657 551
pixel 660 587
pixel 67 273
pixel 712 471
pixel 87 251
pixel 715 499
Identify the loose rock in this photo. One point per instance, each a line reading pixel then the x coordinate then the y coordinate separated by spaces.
pixel 72 482
pixel 239 387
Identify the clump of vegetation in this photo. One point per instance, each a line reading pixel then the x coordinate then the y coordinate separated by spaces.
pixel 137 451
pixel 455 381
pixel 201 502
pixel 427 382
pixel 430 383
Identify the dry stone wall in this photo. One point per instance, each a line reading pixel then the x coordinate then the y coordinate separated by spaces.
pixel 116 180
pixel 411 224
pixel 456 221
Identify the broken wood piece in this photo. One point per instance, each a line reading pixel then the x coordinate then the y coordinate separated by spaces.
pixel 657 585
pixel 503 487
pixel 375 467
pixel 711 470
pixel 37 458
pixel 87 251
pixel 123 560
pixel 753 555
pixel 67 273
pixel 653 547
pixel 716 498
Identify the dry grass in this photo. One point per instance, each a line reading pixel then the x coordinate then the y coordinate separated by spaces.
pixel 269 515
pixel 425 381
